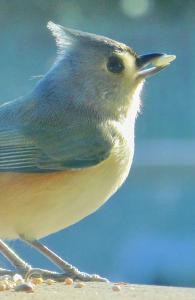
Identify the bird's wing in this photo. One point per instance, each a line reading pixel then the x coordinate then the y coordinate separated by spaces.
pixel 45 150
pixel 41 140
pixel 16 152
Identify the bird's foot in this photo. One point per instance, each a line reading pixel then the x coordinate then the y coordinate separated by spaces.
pixel 30 272
pixel 67 269
pixel 26 271
pixel 43 273
pixel 81 276
pixel 76 275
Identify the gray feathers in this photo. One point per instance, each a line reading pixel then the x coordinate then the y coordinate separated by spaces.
pixel 29 146
pixel 63 123
pixel 16 152
pixel 63 39
pixel 66 37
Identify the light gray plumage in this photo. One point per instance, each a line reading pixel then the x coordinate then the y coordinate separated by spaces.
pixel 68 146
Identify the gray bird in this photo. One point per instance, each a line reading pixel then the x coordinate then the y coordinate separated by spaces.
pixel 67 146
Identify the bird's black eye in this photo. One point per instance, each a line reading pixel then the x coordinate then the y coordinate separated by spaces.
pixel 115 64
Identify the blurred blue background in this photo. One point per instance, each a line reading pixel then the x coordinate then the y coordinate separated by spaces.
pixel 146 232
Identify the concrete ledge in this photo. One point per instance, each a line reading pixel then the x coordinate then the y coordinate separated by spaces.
pixel 102 291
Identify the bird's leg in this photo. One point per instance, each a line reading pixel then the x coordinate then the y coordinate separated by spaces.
pixel 68 269
pixel 25 269
pixel 21 266
pixel 14 259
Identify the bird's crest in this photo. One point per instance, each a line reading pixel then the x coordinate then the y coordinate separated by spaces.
pixel 66 37
pixel 63 37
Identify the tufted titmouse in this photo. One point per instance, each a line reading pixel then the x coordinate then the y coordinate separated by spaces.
pixel 68 146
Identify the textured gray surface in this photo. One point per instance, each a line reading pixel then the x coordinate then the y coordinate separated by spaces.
pixel 102 291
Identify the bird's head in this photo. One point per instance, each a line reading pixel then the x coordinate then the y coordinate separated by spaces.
pixel 98 73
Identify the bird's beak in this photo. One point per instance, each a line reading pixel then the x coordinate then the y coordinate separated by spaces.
pixel 158 60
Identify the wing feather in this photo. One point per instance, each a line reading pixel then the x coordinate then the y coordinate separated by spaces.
pixel 16 151
pixel 20 152
pixel 29 142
